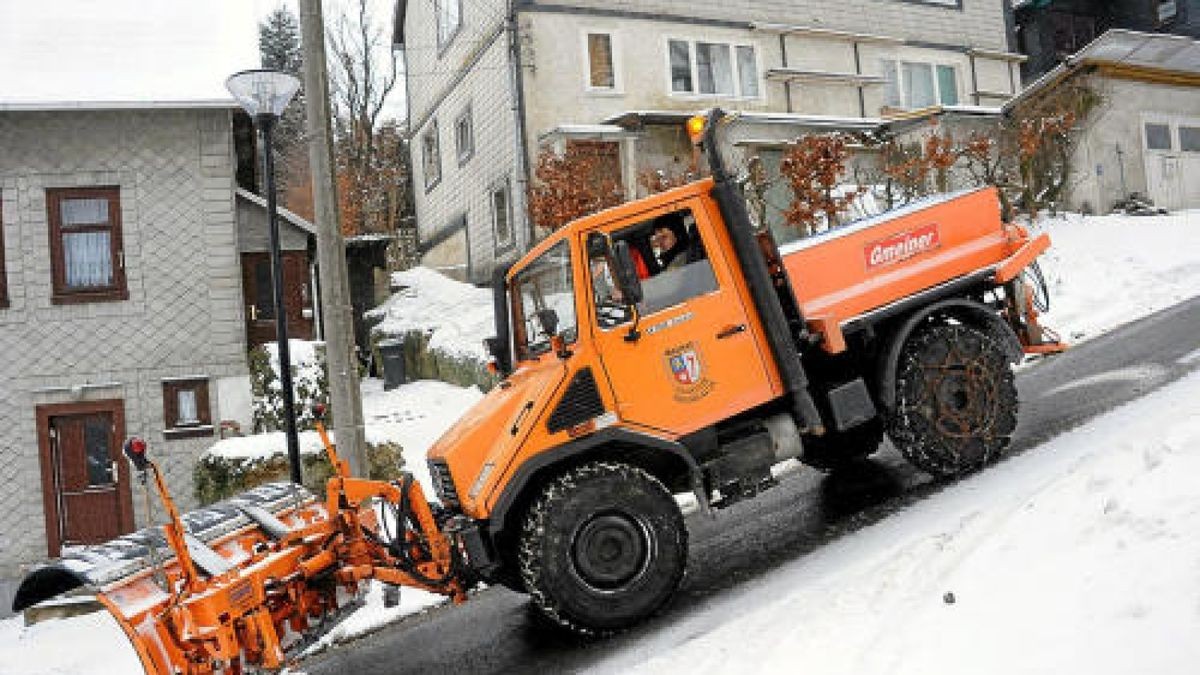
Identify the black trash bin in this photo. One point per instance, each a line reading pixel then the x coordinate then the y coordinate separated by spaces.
pixel 391 353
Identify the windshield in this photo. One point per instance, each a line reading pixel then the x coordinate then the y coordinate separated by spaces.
pixel 543 302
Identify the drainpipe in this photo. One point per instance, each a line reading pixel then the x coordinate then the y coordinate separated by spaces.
pixel 974 79
pixel 862 98
pixel 787 84
pixel 517 102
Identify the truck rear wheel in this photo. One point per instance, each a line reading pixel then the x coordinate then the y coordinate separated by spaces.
pixel 839 449
pixel 602 547
pixel 956 404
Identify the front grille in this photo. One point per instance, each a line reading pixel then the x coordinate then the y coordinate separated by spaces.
pixel 580 403
pixel 443 483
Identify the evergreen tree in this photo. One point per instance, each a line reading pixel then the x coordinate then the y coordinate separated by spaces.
pixel 279 46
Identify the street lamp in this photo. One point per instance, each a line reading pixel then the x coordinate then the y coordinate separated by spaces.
pixel 264 94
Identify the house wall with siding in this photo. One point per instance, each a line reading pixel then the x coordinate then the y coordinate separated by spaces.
pixel 183 317
pixel 471 72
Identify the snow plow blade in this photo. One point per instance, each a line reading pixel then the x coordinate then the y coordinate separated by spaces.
pixel 242 585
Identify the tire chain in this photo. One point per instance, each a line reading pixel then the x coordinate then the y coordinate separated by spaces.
pixel 930 454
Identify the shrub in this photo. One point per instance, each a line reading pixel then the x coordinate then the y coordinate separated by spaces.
pixel 218 478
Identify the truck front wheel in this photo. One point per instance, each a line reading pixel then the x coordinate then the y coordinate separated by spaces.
pixel 956 404
pixel 602 547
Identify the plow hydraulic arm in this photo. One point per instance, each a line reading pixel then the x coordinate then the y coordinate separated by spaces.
pixel 246 599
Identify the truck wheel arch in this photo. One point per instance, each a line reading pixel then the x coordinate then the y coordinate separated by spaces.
pixel 969 312
pixel 665 459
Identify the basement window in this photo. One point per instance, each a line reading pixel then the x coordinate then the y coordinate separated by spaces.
pixel 186 411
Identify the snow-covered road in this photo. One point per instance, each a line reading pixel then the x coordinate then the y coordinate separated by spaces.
pixel 1078 556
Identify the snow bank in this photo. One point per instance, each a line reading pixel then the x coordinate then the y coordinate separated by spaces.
pixel 1075 557
pixel 457 316
pixel 414 415
pixel 93 644
pixel 262 446
pixel 1104 271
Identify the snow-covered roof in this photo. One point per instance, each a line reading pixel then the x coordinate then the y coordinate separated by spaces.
pixel 123 54
pixel 1127 49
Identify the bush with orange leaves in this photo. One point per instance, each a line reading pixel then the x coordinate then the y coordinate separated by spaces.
pixel 582 180
pixel 813 167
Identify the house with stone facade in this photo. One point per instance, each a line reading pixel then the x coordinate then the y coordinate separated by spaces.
pixel 133 279
pixel 490 82
pixel 132 271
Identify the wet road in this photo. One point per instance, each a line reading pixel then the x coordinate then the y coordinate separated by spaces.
pixel 496 633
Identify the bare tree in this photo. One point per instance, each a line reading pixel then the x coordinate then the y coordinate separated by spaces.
pixel 364 72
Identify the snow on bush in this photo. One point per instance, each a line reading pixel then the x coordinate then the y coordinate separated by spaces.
pixel 310 384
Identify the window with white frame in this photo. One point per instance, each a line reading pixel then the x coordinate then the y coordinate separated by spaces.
pixel 916 84
pixel 431 157
pixel 449 20
pixel 602 72
pixel 502 215
pixel 464 137
pixel 713 68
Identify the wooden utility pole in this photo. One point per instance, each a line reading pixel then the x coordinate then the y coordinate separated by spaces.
pixel 336 310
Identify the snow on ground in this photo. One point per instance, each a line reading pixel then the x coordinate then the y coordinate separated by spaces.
pixel 457 315
pixel 92 644
pixel 1104 271
pixel 414 415
pixel 1079 556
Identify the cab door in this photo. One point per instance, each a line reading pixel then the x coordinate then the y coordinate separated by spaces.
pixel 698 356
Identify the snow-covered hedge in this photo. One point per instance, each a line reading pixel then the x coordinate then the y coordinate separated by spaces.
pixel 442 322
pixel 238 464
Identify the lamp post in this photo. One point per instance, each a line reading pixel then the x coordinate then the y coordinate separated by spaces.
pixel 264 94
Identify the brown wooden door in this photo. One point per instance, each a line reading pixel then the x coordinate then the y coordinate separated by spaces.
pixel 86 480
pixel 260 302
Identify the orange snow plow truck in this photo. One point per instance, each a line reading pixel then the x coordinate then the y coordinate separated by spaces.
pixel 661 347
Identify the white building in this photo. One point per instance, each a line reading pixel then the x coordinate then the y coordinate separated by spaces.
pixel 490 81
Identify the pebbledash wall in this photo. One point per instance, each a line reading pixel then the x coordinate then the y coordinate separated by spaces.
pixel 183 316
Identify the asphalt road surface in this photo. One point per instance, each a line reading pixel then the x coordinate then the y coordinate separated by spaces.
pixel 496 632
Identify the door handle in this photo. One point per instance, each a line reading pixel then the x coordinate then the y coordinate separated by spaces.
pixel 254 312
pixel 731 330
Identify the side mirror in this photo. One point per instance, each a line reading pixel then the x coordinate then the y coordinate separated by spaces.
pixel 549 320
pixel 626 273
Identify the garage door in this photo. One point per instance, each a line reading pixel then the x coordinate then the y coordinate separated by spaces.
pixel 1172 152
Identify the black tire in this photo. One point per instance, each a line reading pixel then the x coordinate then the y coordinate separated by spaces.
pixel 603 547
pixel 837 450
pixel 956 404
